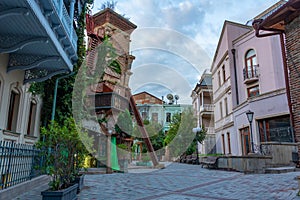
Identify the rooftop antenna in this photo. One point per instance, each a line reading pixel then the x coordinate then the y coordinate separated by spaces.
pixel 176 98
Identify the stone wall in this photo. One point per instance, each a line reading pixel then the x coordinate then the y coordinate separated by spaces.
pixel 247 164
pixel 293 59
pixel 281 153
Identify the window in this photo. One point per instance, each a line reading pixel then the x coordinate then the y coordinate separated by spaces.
pixel 144 115
pixel 251 64
pixel 226 106
pixel 253 91
pixel 223 143
pixel 276 129
pixel 228 142
pixel 221 110
pixel 245 136
pixel 13 111
pixel 219 78
pixel 168 117
pixel 223 73
pixel 155 117
pixel 31 119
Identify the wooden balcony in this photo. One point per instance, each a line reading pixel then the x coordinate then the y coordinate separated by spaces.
pixel 206 108
pixel 110 100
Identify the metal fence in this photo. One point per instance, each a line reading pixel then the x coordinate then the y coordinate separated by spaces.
pixel 18 163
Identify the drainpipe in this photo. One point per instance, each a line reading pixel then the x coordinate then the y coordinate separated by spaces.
pixel 286 76
pixel 55 94
pixel 235 77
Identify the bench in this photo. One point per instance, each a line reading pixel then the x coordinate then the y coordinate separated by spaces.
pixel 189 159
pixel 210 161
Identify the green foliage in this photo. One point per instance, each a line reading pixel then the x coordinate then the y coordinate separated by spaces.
pixel 124 123
pixel 154 130
pixel 109 4
pixel 115 66
pixel 66 151
pixel 146 158
pixel 180 137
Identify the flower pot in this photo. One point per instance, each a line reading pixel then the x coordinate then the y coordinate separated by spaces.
pixel 79 180
pixel 69 193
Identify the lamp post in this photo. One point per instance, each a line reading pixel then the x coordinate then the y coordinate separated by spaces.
pixel 196 131
pixel 250 114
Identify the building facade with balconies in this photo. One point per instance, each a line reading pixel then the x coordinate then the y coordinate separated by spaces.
pixel 222 74
pixel 285 23
pixel 255 69
pixel 156 110
pixel 37 41
pixel 202 99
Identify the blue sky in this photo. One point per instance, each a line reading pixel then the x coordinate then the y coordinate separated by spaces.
pixel 176 39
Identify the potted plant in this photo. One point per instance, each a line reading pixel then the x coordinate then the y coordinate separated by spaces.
pixel 64 144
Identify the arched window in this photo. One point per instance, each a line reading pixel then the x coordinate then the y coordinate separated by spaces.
pixel 13 110
pixel 31 118
pixel 251 64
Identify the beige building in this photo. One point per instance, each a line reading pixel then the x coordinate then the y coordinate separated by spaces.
pixel 202 101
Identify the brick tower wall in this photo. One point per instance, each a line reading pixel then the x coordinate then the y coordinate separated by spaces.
pixel 293 58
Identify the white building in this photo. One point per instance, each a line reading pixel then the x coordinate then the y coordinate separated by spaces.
pixel 204 111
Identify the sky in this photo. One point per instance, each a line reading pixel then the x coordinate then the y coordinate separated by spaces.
pixel 176 40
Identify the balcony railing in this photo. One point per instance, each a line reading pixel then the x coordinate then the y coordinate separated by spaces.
pixel 251 75
pixel 207 108
pixel 210 130
pixel 67 22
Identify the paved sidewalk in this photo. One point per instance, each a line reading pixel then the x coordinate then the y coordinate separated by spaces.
pixel 182 181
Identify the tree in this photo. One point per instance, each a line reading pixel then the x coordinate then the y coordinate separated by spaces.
pixel 124 123
pixel 65 87
pixel 109 4
pixel 155 132
pixel 180 138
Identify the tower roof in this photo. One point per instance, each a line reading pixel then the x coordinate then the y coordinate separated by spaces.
pixel 109 16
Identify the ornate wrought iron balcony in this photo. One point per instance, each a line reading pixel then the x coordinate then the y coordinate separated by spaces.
pixel 39 36
pixel 251 75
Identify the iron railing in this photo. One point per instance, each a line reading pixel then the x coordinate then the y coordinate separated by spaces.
pixel 249 74
pixel 18 163
pixel 66 21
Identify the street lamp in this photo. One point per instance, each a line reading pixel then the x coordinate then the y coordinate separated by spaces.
pixel 196 131
pixel 250 114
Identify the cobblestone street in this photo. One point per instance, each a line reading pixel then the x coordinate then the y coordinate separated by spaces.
pixel 181 181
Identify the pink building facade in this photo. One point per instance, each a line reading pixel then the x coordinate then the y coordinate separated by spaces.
pixel 248 74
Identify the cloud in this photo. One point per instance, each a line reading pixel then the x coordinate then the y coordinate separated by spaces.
pixel 185 36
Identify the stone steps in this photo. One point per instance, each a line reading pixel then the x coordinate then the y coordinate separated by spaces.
pixel 279 170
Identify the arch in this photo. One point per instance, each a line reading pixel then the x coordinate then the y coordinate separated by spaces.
pixel 32 114
pixel 14 102
pixel 250 64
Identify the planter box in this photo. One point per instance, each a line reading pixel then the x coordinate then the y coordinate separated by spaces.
pixel 79 180
pixel 69 193
pixel 148 164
